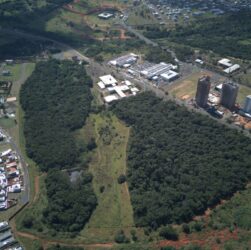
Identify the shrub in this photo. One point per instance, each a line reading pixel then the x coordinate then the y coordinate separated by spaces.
pixel 121 179
pixel 168 233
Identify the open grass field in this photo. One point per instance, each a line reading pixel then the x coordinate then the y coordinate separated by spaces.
pixel 114 209
pixel 15 72
pixel 243 92
pixel 185 88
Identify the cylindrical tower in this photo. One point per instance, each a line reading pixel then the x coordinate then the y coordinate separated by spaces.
pixel 229 95
pixel 247 105
pixel 203 89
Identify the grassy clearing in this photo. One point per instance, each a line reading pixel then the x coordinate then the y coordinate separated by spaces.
pixel 114 209
pixel 33 244
pixel 25 71
pixel 15 72
pixel 186 87
pixel 243 92
pixel 7 123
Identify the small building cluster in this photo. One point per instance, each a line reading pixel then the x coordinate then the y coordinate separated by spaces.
pixel 114 90
pixel 7 240
pixel 11 180
pixel 227 66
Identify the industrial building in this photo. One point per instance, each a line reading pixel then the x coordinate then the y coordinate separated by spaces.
pixel 247 105
pixel 229 94
pixel 114 90
pixel 161 69
pixel 124 61
pixel 232 69
pixel 105 15
pixel 227 65
pixel 202 92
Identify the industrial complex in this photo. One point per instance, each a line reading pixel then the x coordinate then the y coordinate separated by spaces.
pixel 112 89
pixel 160 73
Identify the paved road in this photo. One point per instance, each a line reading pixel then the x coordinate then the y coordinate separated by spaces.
pixel 64 46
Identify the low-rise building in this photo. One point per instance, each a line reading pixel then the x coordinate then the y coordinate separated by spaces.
pixel 106 15
pixel 224 62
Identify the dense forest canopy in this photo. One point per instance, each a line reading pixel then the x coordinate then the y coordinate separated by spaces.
pixel 179 162
pixel 9 8
pixel 57 100
pixel 226 35
pixel 70 204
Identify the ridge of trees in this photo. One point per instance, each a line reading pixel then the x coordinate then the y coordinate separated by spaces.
pixel 56 100
pixel 179 162
pixel 220 34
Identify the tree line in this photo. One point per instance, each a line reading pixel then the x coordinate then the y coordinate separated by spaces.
pixel 225 35
pixel 179 162
pixel 56 100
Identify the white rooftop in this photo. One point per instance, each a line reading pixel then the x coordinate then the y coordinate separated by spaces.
pixel 110 98
pixel 232 68
pixel 108 79
pixel 169 75
pixel 135 89
pixel 101 85
pixel 128 83
pixel 119 91
pixel 225 62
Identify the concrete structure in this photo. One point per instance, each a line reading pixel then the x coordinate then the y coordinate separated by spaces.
pixel 199 61
pixel 110 98
pixel 156 70
pixel 124 61
pixel 202 92
pixel 113 90
pixel 232 69
pixel 108 80
pixel 105 15
pixel 247 105
pixel 228 95
pixel 169 76
pixel 225 63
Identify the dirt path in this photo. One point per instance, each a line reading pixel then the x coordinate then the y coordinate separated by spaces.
pixel 46 243
pixel 36 189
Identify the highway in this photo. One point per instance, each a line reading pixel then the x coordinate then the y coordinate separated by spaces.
pixel 64 46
